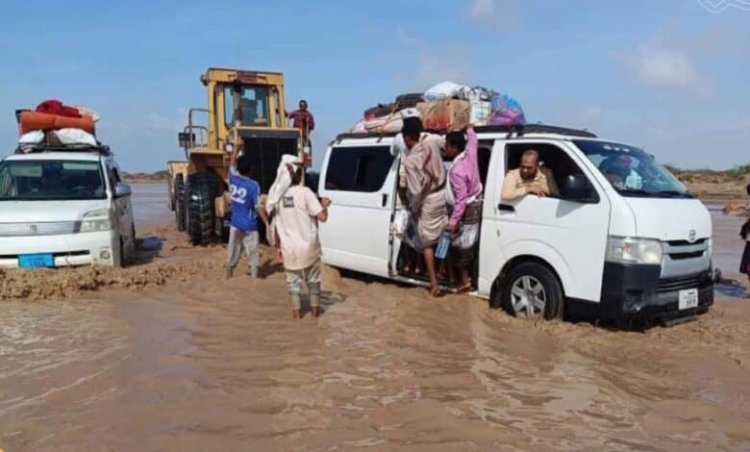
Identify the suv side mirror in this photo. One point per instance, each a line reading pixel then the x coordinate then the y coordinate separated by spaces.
pixel 578 188
pixel 122 189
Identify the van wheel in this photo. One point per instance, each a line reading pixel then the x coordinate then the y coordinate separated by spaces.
pixel 179 202
pixel 200 206
pixel 533 292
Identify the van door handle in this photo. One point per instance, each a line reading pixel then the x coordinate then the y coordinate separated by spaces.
pixel 385 199
pixel 505 208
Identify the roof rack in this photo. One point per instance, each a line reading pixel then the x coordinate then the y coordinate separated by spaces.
pixel 511 131
pixel 38 148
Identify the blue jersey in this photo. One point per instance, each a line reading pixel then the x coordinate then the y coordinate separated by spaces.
pixel 245 194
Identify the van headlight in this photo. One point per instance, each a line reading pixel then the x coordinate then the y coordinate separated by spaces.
pixel 625 250
pixel 97 220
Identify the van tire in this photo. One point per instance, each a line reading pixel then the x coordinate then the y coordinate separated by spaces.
pixel 179 202
pixel 529 283
pixel 200 207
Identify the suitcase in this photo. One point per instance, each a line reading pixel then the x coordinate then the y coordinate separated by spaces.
pixel 409 100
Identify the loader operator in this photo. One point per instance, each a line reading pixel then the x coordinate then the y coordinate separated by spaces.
pixel 303 120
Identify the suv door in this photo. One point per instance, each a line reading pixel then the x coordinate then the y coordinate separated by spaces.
pixel 569 234
pixel 359 179
pixel 123 210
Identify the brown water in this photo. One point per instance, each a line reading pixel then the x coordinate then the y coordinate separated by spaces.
pixel 211 365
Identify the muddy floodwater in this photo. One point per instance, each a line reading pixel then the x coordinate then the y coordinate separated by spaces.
pixel 201 364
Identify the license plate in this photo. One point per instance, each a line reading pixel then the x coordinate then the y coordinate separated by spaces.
pixel 36 261
pixel 688 299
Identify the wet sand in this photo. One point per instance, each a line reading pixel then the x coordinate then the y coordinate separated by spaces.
pixel 168 356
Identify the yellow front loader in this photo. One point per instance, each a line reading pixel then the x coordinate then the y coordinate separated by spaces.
pixel 241 104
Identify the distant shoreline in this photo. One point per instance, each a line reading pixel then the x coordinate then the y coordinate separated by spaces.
pixel 140 178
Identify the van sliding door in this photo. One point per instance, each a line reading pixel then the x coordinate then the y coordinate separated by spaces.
pixel 359 180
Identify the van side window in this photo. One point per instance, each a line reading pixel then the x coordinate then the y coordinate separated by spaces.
pixel 358 169
pixel 551 157
pixel 484 155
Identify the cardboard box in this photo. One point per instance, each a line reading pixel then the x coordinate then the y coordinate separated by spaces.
pixel 445 114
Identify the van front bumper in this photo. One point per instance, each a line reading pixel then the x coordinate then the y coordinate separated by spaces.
pixel 638 291
pixel 82 248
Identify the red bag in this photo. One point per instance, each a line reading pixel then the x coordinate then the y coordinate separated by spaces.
pixel 55 107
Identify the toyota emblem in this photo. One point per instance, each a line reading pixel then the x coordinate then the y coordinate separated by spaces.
pixel 692 235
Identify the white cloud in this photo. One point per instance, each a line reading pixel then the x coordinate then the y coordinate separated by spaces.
pixel 493 14
pixel 435 67
pixel 586 116
pixel 160 123
pixel 668 68
pixel 569 113
pixel 431 64
pixel 675 62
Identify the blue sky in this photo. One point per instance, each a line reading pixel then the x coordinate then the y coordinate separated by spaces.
pixel 669 75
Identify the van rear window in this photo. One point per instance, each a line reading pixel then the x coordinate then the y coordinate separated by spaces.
pixel 358 169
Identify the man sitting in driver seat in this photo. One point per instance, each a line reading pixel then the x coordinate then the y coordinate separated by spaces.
pixel 529 178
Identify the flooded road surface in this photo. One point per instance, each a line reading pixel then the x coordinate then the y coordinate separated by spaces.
pixel 150 203
pixel 204 365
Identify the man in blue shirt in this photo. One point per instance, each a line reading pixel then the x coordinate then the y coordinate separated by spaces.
pixel 246 208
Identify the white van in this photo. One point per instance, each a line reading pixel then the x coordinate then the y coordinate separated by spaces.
pixel 64 208
pixel 622 241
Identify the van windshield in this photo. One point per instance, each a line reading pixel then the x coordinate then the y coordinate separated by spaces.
pixel 44 180
pixel 631 171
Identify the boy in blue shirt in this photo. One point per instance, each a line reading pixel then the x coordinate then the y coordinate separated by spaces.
pixel 246 208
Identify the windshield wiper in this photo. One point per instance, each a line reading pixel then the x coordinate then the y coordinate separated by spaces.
pixel 675 194
pixel 654 194
pixel 636 192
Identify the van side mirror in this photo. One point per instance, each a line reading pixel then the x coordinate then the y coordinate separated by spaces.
pixel 578 188
pixel 122 189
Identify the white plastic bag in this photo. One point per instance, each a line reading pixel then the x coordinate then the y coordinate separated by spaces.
pixel 33 137
pixel 75 136
pixel 400 223
pixel 445 90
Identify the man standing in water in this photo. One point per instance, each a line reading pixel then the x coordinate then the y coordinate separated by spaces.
pixel 425 193
pixel 297 238
pixel 466 187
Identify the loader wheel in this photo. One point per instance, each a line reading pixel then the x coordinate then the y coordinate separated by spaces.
pixel 200 205
pixel 179 202
pixel 221 232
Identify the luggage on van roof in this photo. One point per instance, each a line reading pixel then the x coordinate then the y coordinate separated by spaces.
pixel 444 106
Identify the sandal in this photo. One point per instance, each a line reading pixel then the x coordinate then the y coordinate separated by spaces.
pixel 437 292
pixel 466 288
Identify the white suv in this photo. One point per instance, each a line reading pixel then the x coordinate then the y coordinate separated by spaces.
pixel 61 207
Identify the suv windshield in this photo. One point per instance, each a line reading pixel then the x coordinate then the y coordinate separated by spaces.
pixel 38 180
pixel 631 171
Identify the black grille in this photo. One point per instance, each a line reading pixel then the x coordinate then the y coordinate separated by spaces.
pixel 683 282
pixel 686 243
pixel 682 256
pixel 265 156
